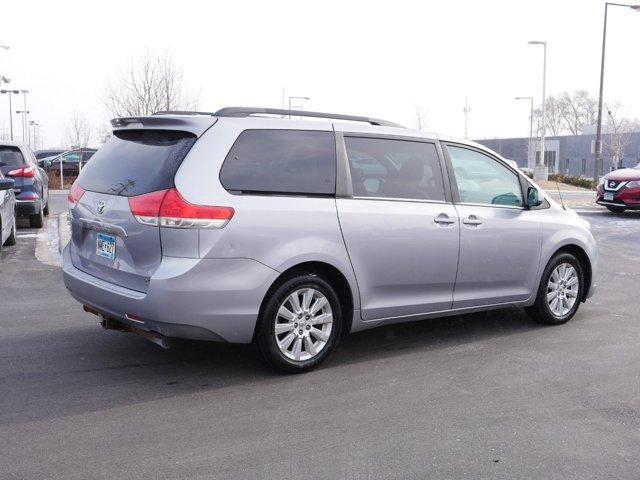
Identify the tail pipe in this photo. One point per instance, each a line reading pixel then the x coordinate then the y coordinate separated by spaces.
pixel 158 339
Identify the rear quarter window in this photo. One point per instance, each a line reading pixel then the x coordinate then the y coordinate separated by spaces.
pixel 281 161
pixel 133 162
pixel 11 157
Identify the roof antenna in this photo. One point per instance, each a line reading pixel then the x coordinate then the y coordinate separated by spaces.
pixel 559 194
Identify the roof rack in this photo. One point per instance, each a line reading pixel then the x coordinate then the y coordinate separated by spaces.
pixel 181 112
pixel 247 111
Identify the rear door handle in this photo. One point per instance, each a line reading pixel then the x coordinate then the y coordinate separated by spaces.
pixel 472 220
pixel 444 218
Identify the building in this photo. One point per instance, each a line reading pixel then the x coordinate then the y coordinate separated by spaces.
pixel 568 154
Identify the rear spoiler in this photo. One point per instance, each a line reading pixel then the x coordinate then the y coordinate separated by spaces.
pixel 192 124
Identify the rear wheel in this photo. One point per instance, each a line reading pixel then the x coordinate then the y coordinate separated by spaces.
pixel 37 220
pixel 300 324
pixel 615 209
pixel 12 239
pixel 45 210
pixel 560 291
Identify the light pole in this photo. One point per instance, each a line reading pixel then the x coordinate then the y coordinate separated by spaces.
pixel 529 148
pixel 24 132
pixel 34 124
pixel 597 168
pixel 466 110
pixel 15 92
pixel 540 172
pixel 298 98
pixel 25 124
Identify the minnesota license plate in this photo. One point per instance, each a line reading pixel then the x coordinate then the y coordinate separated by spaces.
pixel 106 246
pixel 608 196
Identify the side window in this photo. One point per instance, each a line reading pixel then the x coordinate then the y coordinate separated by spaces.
pixel 482 179
pixel 392 168
pixel 281 161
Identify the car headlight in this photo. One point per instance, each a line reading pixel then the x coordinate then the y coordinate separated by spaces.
pixel 633 184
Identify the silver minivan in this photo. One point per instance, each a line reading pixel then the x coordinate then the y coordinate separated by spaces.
pixel 246 226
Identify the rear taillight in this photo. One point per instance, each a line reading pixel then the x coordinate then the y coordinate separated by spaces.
pixel 23 172
pixel 75 194
pixel 167 208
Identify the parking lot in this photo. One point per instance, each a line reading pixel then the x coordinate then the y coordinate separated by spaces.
pixel 489 395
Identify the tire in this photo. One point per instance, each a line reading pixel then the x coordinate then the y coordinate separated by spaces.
pixel 45 210
pixel 37 220
pixel 12 239
pixel 541 311
pixel 615 209
pixel 296 337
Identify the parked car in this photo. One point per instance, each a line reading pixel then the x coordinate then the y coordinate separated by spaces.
pixel 7 211
pixel 289 233
pixel 70 161
pixel 620 190
pixel 31 183
pixel 42 154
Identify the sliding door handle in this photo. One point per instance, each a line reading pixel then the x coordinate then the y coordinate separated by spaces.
pixel 444 218
pixel 472 220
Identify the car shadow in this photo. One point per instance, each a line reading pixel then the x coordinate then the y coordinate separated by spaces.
pixel 81 370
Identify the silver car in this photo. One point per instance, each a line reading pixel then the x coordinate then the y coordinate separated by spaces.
pixel 234 226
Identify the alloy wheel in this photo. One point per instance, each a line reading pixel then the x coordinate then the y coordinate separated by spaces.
pixel 303 324
pixel 562 289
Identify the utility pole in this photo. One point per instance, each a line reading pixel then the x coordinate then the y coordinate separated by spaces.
pixel 541 172
pixel 15 92
pixel 466 111
pixel 530 147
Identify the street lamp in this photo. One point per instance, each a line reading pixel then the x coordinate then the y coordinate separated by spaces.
pixel 25 124
pixel 298 98
pixel 598 164
pixel 15 92
pixel 540 171
pixel 34 124
pixel 24 114
pixel 529 149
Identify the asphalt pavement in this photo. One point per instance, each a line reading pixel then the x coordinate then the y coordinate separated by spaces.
pixel 489 395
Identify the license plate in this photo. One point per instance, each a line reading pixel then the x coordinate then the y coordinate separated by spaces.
pixel 106 246
pixel 608 196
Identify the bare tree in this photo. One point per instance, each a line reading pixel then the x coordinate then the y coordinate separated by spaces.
pixel 149 84
pixel 421 117
pixel 618 139
pixel 555 123
pixel 578 109
pixel 78 131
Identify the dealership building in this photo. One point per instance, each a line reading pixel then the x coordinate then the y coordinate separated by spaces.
pixel 568 154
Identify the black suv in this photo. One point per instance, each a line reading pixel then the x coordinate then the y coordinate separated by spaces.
pixel 31 183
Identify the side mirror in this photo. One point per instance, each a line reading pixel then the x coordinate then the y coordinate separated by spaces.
pixel 533 199
pixel 6 183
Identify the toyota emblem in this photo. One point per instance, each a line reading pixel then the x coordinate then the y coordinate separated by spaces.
pixel 100 207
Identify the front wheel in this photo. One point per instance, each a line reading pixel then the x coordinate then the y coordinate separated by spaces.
pixel 300 324
pixel 560 291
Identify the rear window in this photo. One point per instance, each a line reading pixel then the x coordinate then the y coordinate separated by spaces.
pixel 281 161
pixel 136 162
pixel 11 157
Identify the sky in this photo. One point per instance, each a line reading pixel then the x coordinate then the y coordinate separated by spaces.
pixel 380 59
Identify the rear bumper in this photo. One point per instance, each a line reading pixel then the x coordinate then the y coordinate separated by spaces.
pixel 201 299
pixel 28 207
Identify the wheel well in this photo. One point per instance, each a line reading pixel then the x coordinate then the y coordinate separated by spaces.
pixel 582 256
pixel 329 273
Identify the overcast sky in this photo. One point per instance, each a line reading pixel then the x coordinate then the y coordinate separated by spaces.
pixel 370 58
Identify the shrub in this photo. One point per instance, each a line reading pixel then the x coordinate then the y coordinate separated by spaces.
pixel 54 180
pixel 571 180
